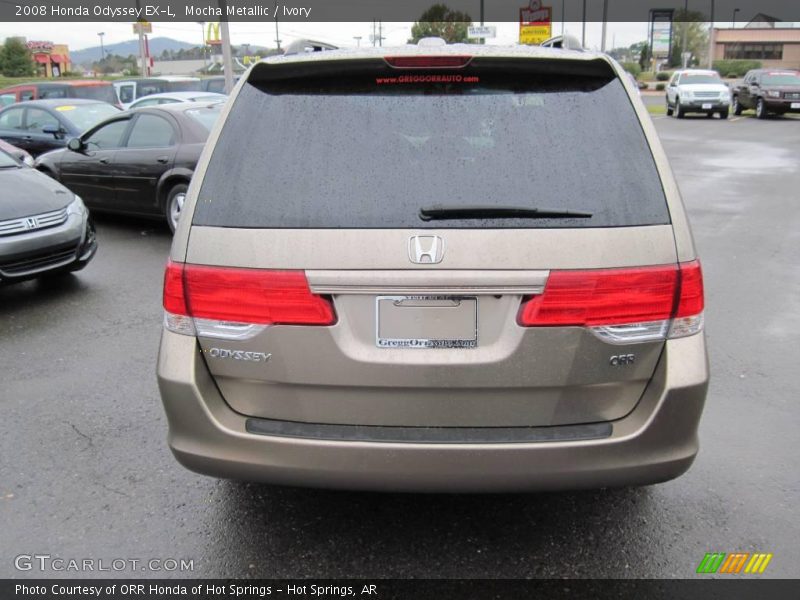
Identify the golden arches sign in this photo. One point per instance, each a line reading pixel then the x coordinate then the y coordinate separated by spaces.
pixel 213 37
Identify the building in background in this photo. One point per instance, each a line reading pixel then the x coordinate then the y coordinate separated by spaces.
pixel 775 43
pixel 51 60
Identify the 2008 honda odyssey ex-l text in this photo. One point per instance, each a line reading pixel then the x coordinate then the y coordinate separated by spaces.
pixel 434 268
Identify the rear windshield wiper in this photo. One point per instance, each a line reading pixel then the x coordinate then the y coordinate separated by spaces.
pixel 441 213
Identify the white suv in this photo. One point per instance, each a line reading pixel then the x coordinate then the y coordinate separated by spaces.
pixel 695 91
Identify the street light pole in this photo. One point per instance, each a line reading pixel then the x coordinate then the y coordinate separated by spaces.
pixel 733 23
pixel 102 48
pixel 203 44
pixel 685 32
pixel 583 31
pixel 710 60
pixel 603 35
pixel 357 38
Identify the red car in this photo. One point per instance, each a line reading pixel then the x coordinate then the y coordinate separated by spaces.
pixel 89 89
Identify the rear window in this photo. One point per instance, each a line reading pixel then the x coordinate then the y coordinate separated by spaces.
pixel 182 86
pixel 105 93
pixel 205 116
pixel 371 150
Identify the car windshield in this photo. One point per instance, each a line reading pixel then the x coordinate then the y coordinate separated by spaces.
pixel 694 78
pixel 206 116
pixel 6 160
pixel 781 79
pixel 84 116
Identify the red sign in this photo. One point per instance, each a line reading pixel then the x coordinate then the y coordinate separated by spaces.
pixel 535 14
pixel 40 46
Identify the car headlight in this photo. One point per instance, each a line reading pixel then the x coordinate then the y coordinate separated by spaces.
pixel 773 94
pixel 76 207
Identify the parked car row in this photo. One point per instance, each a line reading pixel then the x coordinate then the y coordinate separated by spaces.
pixel 122 92
pixel 767 91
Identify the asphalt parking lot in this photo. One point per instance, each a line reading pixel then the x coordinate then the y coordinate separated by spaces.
pixel 86 472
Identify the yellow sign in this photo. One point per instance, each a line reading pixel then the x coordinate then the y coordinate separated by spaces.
pixel 142 27
pixel 212 34
pixel 534 34
pixel 535 23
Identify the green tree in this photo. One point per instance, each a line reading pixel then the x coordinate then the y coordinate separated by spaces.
pixel 15 59
pixel 440 21
pixel 644 58
pixel 688 25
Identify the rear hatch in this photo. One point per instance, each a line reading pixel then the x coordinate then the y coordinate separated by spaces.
pixel 372 251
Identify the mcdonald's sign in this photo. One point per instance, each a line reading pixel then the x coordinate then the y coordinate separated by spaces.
pixel 212 34
pixel 734 563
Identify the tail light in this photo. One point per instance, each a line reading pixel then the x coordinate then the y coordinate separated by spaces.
pixel 622 305
pixel 237 303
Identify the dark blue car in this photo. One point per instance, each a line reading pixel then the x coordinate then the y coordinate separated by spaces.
pixel 41 125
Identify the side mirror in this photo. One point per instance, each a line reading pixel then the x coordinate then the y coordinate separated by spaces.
pixel 76 145
pixel 55 130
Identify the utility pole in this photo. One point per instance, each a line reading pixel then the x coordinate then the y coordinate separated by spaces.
pixel 563 15
pixel 710 60
pixel 380 33
pixel 603 34
pixel 142 53
pixel 203 44
pixel 374 40
pixel 684 41
pixel 482 40
pixel 583 32
pixel 102 50
pixel 227 57
pixel 277 37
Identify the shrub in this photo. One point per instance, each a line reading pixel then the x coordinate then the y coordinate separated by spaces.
pixel 660 87
pixel 735 68
pixel 632 68
pixel 663 76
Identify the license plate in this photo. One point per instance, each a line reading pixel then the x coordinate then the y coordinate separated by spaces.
pixel 795 104
pixel 426 322
pixel 707 105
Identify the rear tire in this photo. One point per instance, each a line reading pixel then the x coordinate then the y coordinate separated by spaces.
pixel 761 110
pixel 737 108
pixel 723 114
pixel 709 115
pixel 174 205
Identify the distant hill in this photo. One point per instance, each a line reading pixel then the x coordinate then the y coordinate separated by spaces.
pixel 157 45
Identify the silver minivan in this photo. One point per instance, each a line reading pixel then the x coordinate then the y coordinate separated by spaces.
pixel 438 268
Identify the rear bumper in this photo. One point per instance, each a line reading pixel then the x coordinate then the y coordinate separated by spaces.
pixel 655 442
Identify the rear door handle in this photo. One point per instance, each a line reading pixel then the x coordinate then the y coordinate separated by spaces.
pixel 105 161
pixel 163 159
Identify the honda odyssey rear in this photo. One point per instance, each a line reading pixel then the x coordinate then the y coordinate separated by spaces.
pixel 437 269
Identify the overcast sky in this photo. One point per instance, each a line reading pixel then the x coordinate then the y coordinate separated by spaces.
pixel 84 35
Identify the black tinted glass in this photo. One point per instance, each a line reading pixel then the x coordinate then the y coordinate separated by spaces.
pixel 369 152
